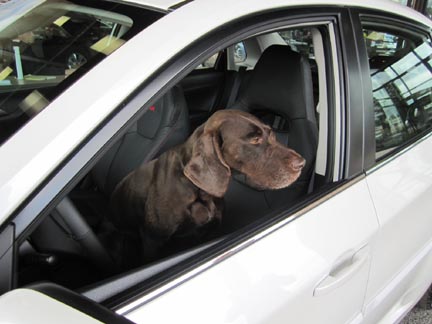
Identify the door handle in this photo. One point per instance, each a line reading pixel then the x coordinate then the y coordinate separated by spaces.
pixel 344 269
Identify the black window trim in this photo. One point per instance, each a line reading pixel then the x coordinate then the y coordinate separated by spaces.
pixel 83 158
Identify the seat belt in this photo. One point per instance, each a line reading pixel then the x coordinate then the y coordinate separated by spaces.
pixel 311 182
pixel 236 86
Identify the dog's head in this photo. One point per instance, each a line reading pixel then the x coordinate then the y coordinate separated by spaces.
pixel 233 139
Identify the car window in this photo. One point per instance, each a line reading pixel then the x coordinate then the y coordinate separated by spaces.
pixel 208 63
pixel 44 49
pixel 428 9
pixel 403 2
pixel 113 248
pixel 299 40
pixel 240 54
pixel 401 74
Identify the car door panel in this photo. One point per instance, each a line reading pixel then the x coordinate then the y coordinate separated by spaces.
pixel 401 194
pixel 401 294
pixel 344 268
pixel 273 280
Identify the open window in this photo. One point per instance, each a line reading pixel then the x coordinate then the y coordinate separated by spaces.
pixel 78 244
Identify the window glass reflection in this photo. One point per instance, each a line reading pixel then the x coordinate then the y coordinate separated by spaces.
pixel 405 63
pixel 423 51
pixel 403 2
pixel 429 8
pixel 401 75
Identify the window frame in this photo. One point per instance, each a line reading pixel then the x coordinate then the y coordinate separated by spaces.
pixel 69 173
pixel 403 27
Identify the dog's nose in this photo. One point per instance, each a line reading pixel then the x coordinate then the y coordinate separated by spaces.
pixel 298 164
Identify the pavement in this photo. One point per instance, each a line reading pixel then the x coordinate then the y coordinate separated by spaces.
pixel 418 316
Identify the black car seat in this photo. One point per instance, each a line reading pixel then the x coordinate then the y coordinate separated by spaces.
pixel 79 226
pixel 280 93
pixel 164 125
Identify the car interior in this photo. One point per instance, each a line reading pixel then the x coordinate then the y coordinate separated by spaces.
pixel 278 77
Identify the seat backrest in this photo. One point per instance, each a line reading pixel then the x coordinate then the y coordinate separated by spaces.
pixel 163 125
pixel 279 92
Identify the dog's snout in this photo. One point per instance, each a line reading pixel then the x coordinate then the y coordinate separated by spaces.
pixel 297 164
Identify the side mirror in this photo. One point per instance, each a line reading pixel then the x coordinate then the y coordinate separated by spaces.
pixel 51 304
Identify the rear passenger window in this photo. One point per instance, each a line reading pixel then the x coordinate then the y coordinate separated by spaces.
pixel 401 75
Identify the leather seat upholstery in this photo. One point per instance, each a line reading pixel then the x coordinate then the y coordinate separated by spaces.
pixel 280 93
pixel 164 125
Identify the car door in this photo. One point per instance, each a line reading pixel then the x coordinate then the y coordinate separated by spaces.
pixel 307 269
pixel 310 267
pixel 399 177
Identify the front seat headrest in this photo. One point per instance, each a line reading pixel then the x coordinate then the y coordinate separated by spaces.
pixel 281 83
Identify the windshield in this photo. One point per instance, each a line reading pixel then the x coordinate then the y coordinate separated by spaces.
pixel 45 46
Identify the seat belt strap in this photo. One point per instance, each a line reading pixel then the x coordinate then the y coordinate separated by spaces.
pixel 236 86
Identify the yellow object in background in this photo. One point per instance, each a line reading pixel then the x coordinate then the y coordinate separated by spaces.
pixel 107 45
pixel 61 20
pixel 5 73
pixel 376 36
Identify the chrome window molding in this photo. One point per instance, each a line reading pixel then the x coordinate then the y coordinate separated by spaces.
pixel 394 155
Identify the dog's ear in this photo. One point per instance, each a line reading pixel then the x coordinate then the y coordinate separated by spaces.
pixel 207 169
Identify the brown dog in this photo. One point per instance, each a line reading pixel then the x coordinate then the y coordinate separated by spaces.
pixel 182 190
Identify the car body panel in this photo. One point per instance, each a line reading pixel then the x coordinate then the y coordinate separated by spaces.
pixel 28 306
pixel 286 267
pixel 401 191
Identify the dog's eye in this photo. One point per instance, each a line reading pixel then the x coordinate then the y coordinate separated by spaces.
pixel 256 137
pixel 256 140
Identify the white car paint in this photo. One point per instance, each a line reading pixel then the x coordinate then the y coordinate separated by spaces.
pixel 28 306
pixel 273 280
pixel 401 191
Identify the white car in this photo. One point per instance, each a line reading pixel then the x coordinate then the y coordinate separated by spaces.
pixel 90 90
